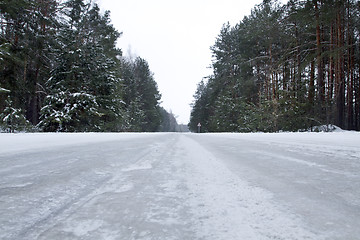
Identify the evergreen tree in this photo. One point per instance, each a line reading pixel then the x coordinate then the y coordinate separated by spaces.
pixel 83 85
pixel 12 119
pixel 60 65
pixel 201 108
pixel 27 33
pixel 141 96
pixel 284 67
pixel 168 122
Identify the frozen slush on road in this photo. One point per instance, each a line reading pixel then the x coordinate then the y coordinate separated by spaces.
pixel 180 186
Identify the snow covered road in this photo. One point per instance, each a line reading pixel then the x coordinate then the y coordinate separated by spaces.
pixel 180 186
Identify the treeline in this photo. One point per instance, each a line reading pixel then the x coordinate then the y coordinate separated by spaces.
pixel 61 71
pixel 284 67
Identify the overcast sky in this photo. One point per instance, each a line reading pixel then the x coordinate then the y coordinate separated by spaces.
pixel 174 37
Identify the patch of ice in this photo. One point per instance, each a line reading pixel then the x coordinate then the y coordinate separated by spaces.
pixel 19 185
pixel 138 166
pixel 84 227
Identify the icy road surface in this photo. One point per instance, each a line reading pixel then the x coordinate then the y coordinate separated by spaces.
pixel 180 186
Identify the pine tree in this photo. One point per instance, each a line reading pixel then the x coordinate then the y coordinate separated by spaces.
pixel 27 33
pixel 285 68
pixel 60 63
pixel 12 119
pixel 141 96
pixel 201 108
pixel 84 84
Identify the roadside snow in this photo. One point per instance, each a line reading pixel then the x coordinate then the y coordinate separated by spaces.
pixel 12 143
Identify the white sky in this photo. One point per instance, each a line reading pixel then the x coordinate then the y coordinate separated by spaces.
pixel 174 37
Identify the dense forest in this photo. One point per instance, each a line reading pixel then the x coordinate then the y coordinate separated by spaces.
pixel 285 67
pixel 60 70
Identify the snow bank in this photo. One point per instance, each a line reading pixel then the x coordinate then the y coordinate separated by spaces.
pixel 343 138
pixel 325 128
pixel 34 141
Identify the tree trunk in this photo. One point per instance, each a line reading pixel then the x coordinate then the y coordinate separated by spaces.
pixel 311 84
pixel 330 94
pixel 357 99
pixel 350 78
pixel 340 81
pixel 320 67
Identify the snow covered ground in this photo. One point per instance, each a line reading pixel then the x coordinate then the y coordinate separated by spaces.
pixel 180 186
